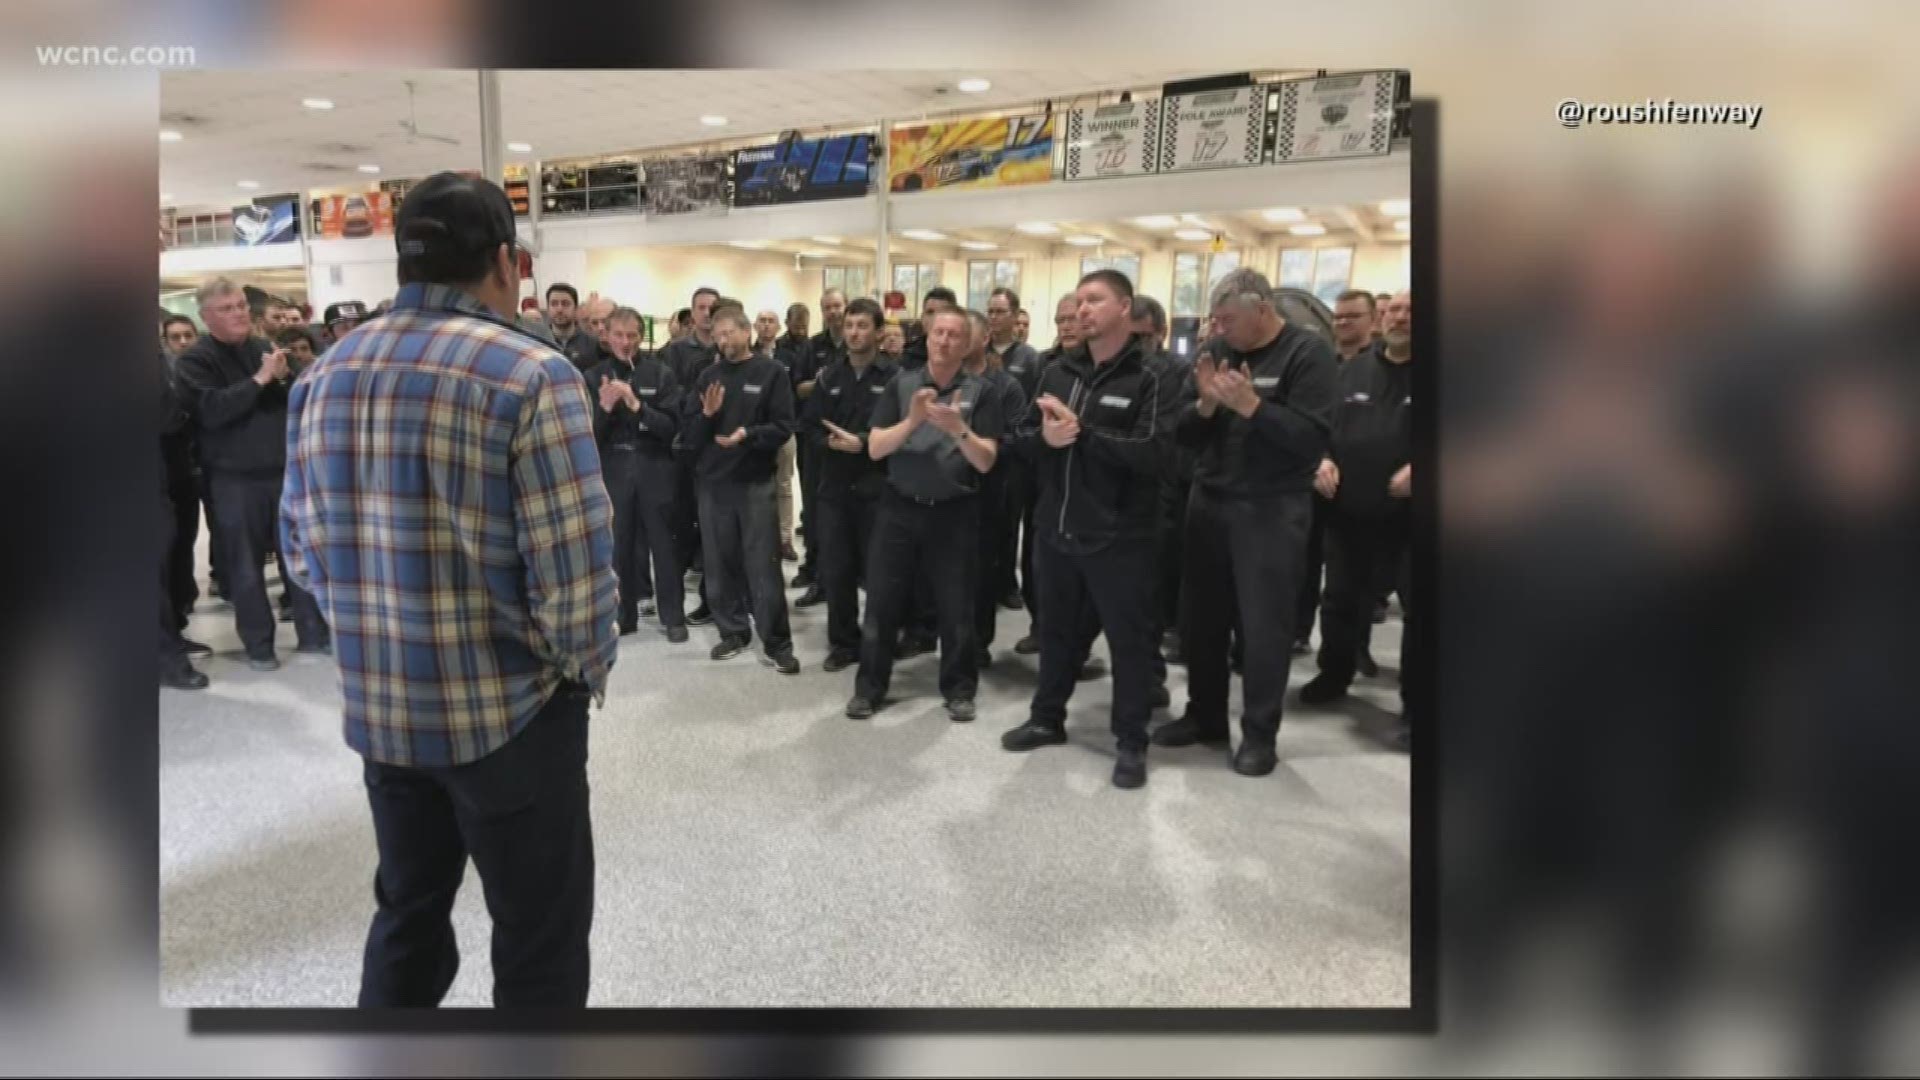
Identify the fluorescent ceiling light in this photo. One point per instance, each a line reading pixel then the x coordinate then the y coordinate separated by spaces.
pixel 520 148
pixel 1396 207
pixel 166 196
pixel 977 245
pixel 1192 234
pixel 1308 230
pixel 1283 214
pixel 824 239
pixel 974 86
pixel 1157 221
pixel 1194 219
pixel 714 121
pixel 1037 228
pixel 369 168
pixel 1084 241
pixel 923 234
pixel 249 183
pixel 816 254
pixel 316 103
pixel 168 135
pixel 752 244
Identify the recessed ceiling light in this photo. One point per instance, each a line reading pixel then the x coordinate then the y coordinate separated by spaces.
pixel 519 148
pixel 316 103
pixel 1308 230
pixel 1401 225
pixel 1084 241
pixel 169 135
pixel 166 196
pixel 977 245
pixel 1283 214
pixel 1037 228
pixel 1396 207
pixel 1157 221
pixel 369 168
pixel 974 86
pixel 714 121
pixel 824 239
pixel 751 244
pixel 923 234
pixel 1193 234
pixel 249 183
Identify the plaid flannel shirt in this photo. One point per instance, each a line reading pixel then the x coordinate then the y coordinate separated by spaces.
pixel 444 505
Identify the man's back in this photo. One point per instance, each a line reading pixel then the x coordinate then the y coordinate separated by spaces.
pixel 444 500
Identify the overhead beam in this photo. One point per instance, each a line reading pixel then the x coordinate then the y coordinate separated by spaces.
pixel 1353 221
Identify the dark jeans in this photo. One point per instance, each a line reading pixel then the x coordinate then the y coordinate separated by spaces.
pixel 641 487
pixel 1244 559
pixel 934 544
pixel 845 536
pixel 249 521
pixel 522 813
pixel 1083 595
pixel 1361 552
pixel 741 533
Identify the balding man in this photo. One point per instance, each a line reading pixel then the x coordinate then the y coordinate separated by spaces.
pixel 1259 430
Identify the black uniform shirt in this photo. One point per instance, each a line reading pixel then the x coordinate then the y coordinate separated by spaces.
pixel 929 466
pixel 1372 431
pixel 796 355
pixel 1022 363
pixel 584 349
pixel 241 426
pixel 652 428
pixel 847 397
pixel 689 359
pixel 759 398
pixel 1279 448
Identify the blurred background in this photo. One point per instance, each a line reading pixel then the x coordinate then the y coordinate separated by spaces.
pixel 1677 488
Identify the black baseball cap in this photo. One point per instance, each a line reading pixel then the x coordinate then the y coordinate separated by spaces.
pixel 345 309
pixel 448 221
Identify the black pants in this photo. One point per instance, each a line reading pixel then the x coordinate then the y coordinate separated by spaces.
pixel 183 499
pixel 1309 605
pixel 741 534
pixel 1083 595
pixel 806 465
pixel 172 647
pixel 993 576
pixel 642 487
pixel 1029 591
pixel 522 813
pixel 1016 505
pixel 1244 559
pixel 1171 556
pixel 846 526
pixel 1361 552
pixel 686 519
pixel 936 544
pixel 249 510
pixel 216 542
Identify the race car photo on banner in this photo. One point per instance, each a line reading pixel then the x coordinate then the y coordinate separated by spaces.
pixel 971 153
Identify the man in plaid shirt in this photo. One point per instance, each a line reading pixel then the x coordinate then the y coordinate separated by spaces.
pixel 443 502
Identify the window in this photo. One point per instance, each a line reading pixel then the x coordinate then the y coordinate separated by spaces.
pixel 1296 268
pixel 852 281
pixel 913 280
pixel 986 275
pixel 1194 276
pixel 1325 272
pixel 1126 264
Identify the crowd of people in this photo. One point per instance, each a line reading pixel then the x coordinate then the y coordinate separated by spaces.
pixel 471 524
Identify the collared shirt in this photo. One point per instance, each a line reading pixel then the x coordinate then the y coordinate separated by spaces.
pixel 1021 362
pixel 654 426
pixel 1277 449
pixel 929 465
pixel 444 505
pixel 583 348
pixel 846 396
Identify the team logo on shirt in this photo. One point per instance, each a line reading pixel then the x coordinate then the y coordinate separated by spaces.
pixel 1267 382
pixel 1361 398
pixel 751 388
pixel 1116 402
pixel 877 388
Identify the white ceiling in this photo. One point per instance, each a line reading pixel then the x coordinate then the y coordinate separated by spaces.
pixel 251 125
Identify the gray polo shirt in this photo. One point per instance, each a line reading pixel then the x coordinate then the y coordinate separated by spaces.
pixel 929 467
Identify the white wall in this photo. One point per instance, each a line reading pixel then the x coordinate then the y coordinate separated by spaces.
pixel 1380 268
pixel 658 281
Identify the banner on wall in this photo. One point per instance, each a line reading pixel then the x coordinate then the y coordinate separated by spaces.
pixel 1335 116
pixel 971 153
pixel 269 219
pixel 350 217
pixel 690 185
pixel 1213 129
pixel 1122 139
pixel 803 170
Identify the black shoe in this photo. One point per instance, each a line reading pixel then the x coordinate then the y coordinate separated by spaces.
pixel 787 554
pixel 1366 667
pixel 645 609
pixel 1031 736
pixel 960 710
pixel 1379 613
pixel 860 709
pixel 1322 690
pixel 1401 739
pixel 1162 699
pixel 1027 646
pixel 1131 770
pixel 700 616
pixel 811 597
pixel 628 626
pixel 195 648
pixel 784 663
pixel 840 660
pixel 1093 669
pixel 1177 655
pixel 802 580
pixel 1013 601
pixel 677 634
pixel 983 658
pixel 286 614
pixel 268 662
pixel 728 648
pixel 314 648
pixel 1302 647
pixel 1183 732
pixel 1251 760
pixel 911 647
pixel 180 675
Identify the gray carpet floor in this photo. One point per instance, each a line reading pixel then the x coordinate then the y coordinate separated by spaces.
pixel 756 848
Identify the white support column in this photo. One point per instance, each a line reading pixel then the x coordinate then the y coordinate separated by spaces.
pixel 882 218
pixel 491 161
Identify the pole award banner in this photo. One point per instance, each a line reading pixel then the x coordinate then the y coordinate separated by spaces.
pixel 1121 139
pixel 1213 129
pixel 971 153
pixel 802 170
pixel 1335 116
pixel 691 185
